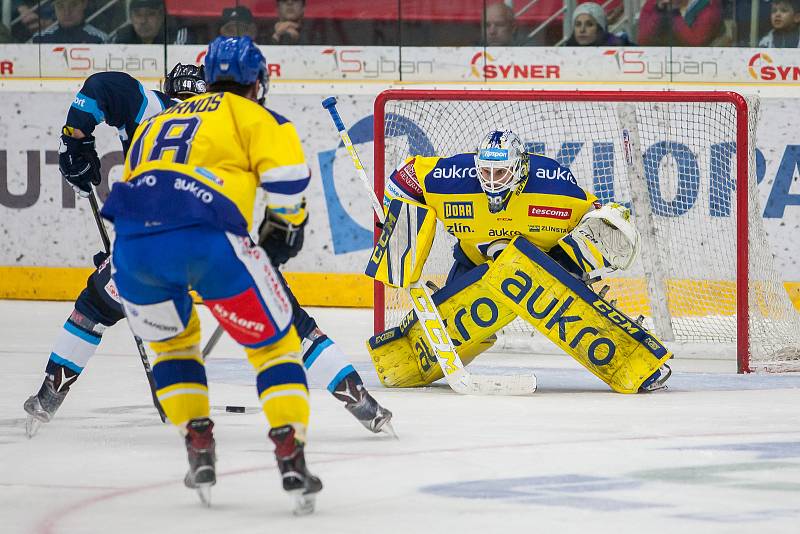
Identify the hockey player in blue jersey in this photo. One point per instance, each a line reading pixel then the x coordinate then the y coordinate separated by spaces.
pixel 122 102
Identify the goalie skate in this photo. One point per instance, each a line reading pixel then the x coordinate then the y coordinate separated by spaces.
pixel 657 380
pixel 297 480
pixel 200 447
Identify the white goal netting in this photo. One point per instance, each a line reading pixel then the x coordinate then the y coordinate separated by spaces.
pixel 675 164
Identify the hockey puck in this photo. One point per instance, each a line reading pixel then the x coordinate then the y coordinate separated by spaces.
pixel 234 409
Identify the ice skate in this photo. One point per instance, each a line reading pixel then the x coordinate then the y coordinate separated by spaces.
pixel 364 407
pixel 43 406
pixel 297 480
pixel 657 380
pixel 200 447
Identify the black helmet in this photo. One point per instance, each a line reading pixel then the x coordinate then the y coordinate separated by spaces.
pixel 185 81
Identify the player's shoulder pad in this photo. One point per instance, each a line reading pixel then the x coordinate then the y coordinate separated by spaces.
pixel 548 176
pixel 110 78
pixel 454 174
pixel 166 101
pixel 279 119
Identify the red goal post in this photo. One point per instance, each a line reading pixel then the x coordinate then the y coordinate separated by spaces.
pixel 681 122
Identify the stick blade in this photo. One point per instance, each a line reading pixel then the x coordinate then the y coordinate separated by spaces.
pixel 505 385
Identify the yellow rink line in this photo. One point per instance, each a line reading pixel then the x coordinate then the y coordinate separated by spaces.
pixel 355 290
pixel 690 298
pixel 65 283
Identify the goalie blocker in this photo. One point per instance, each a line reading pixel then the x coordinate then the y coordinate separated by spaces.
pixel 523 281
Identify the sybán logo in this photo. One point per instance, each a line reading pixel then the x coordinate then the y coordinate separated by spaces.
pixel 637 62
pixel 86 59
pixel 363 63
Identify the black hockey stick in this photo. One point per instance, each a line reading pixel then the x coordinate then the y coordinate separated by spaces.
pixel 139 344
pixel 212 341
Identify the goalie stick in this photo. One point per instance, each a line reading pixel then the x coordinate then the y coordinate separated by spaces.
pixel 139 344
pixel 458 377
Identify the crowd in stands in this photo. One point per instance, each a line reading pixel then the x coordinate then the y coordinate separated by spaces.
pixel 656 23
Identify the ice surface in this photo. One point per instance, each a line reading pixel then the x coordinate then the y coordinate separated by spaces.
pixel 717 453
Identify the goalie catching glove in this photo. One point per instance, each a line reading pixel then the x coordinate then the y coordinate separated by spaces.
pixel 281 239
pixel 78 163
pixel 604 240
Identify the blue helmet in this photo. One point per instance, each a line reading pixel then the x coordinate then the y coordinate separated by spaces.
pixel 235 59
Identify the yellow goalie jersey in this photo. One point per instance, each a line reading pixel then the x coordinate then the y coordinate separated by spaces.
pixel 178 172
pixel 543 208
pixel 516 273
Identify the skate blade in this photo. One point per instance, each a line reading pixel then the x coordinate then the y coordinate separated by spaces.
pixel 655 389
pixel 388 429
pixel 32 425
pixel 204 492
pixel 303 502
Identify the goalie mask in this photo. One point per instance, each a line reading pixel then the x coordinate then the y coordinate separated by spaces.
pixel 502 163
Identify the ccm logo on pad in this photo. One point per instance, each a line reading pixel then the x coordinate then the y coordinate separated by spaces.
pixel 550 212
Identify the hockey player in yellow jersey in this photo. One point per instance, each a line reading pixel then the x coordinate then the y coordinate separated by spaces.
pixel 497 198
pixel 182 216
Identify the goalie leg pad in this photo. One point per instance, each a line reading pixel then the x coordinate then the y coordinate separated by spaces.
pixel 402 355
pixel 601 338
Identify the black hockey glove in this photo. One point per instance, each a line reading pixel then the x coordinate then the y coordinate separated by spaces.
pixel 281 240
pixel 100 257
pixel 79 164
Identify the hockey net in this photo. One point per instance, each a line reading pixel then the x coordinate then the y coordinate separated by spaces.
pixel 674 158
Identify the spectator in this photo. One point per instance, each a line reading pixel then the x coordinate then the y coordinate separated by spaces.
pixel 785 21
pixel 742 14
pixel 147 25
pixel 680 22
pixel 32 18
pixel 70 26
pixel 590 28
pixel 5 34
pixel 289 28
pixel 501 26
pixel 238 21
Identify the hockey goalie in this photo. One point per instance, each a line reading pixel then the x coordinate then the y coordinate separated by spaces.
pixel 528 241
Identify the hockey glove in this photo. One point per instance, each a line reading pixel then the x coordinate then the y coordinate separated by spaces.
pixel 79 164
pixel 279 238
